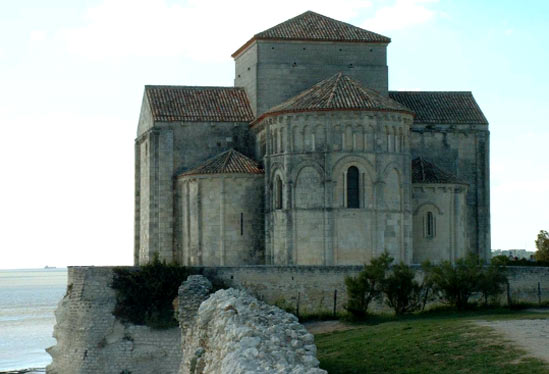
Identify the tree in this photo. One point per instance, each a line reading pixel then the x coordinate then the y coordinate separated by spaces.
pixel 542 244
pixel 367 285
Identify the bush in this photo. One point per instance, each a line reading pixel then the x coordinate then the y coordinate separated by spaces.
pixel 367 286
pixel 402 292
pixel 503 260
pixel 492 281
pixel 144 296
pixel 455 284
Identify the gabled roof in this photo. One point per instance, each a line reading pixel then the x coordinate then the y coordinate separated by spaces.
pixel 427 172
pixel 441 107
pixel 199 104
pixel 311 26
pixel 339 92
pixel 228 162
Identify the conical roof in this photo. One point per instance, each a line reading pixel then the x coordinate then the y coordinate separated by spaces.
pixel 311 26
pixel 339 92
pixel 426 172
pixel 228 162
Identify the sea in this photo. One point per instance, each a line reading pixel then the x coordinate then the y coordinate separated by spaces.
pixel 28 298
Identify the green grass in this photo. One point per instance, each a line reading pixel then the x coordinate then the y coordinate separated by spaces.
pixel 438 342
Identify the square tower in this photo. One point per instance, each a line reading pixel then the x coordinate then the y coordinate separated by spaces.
pixel 281 62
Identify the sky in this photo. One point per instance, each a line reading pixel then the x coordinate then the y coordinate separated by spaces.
pixel 71 84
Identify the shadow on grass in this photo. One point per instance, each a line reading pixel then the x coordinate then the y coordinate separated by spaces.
pixel 439 312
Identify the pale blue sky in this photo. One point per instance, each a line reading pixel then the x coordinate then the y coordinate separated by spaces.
pixel 72 76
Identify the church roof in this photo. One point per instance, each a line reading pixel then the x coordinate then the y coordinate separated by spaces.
pixel 228 162
pixel 441 107
pixel 426 172
pixel 199 104
pixel 339 92
pixel 311 26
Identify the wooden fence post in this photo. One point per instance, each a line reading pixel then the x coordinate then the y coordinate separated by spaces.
pixel 335 302
pixel 297 305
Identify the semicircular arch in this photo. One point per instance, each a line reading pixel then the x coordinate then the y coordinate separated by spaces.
pixel 428 206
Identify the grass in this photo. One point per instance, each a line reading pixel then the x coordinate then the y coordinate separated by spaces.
pixel 437 342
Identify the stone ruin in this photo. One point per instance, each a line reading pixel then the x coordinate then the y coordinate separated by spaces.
pixel 233 332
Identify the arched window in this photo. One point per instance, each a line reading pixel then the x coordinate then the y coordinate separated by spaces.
pixel 278 192
pixel 353 199
pixel 430 225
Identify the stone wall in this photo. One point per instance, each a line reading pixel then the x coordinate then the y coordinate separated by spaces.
pixel 90 340
pixel 163 151
pixel 462 150
pixel 448 237
pixel 312 288
pixel 221 219
pixel 310 154
pixel 272 71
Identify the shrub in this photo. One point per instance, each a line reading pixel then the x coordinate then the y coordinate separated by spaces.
pixel 503 260
pixel 492 281
pixel 455 284
pixel 402 292
pixel 144 296
pixel 367 285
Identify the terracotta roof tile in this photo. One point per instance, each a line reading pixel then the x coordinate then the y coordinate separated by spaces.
pixel 338 92
pixel 199 104
pixel 426 172
pixel 441 107
pixel 311 26
pixel 228 162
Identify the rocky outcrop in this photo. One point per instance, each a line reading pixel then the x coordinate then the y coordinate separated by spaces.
pixel 234 333
pixel 91 340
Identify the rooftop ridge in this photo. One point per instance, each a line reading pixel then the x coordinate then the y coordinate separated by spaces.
pixel 227 162
pixel 311 26
pixel 191 87
pixel 332 92
pixel 337 93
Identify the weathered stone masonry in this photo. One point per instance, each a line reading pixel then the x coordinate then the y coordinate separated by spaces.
pixel 311 107
pixel 91 340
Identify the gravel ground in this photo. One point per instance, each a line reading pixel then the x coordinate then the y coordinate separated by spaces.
pixel 532 335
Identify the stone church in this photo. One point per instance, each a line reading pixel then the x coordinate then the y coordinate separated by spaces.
pixel 310 159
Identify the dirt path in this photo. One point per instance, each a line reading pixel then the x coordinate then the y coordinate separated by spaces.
pixel 532 335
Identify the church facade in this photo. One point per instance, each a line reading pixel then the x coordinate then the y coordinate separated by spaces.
pixel 310 159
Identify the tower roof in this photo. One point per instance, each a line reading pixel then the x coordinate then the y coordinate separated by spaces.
pixel 228 162
pixel 339 92
pixel 199 104
pixel 426 172
pixel 443 107
pixel 311 26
